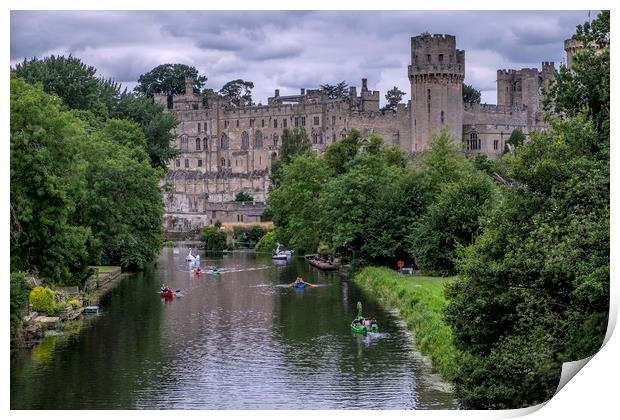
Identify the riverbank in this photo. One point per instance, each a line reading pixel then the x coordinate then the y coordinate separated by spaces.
pixel 36 327
pixel 420 301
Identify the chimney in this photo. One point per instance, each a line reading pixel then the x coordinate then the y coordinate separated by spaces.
pixel 189 86
pixel 277 92
pixel 303 91
pixel 364 84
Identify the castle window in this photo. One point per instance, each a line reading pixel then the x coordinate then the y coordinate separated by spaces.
pixel 245 141
pixel 284 122
pixel 275 140
pixel 275 123
pixel 333 120
pixel 473 142
pixel 187 163
pixel 303 121
pixel 320 138
pixel 441 117
pixel 225 123
pixel 296 121
pixel 258 140
pixel 316 121
pixel 262 123
pixel 237 123
pixel 441 58
pixel 199 127
pixel 224 142
pixel 199 162
pixel 178 163
pixel 236 162
pixel 495 144
pixel 205 142
pixel 428 104
pixel 251 123
pixel 222 164
pixel 333 137
pixel 197 144
pixel 315 138
pixel 229 163
pixel 194 106
pixel 428 57
pixel 396 138
pixel 184 142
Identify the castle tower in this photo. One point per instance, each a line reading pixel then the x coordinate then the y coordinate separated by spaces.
pixel 436 74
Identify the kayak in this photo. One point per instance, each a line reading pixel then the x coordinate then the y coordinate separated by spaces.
pixel 300 286
pixel 168 294
pixel 214 272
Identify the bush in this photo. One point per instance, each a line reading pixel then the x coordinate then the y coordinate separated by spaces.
pixel 248 237
pixel 214 237
pixel 267 243
pixel 243 196
pixel 74 303
pixel 42 300
pixel 19 293
pixel 170 244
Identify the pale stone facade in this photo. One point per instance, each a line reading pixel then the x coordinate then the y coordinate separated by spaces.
pixel 227 149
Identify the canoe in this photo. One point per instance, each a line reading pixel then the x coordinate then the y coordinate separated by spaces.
pixel 321 264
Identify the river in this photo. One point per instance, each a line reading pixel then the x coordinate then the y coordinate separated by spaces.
pixel 241 340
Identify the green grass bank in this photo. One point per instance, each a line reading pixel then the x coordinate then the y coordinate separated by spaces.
pixel 420 301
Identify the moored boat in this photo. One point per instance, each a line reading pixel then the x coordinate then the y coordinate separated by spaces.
pixel 319 263
pixel 281 255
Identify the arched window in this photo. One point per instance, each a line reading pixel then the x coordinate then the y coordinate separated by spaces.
pixel 184 143
pixel 275 140
pixel 473 143
pixel 245 141
pixel 224 142
pixel 442 117
pixel 205 143
pixel 197 144
pixel 258 140
pixel 223 162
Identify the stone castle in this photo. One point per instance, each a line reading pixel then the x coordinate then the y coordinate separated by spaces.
pixel 227 149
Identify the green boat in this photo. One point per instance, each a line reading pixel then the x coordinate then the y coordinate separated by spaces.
pixel 360 324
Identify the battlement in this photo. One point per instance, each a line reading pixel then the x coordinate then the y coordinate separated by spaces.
pixel 494 109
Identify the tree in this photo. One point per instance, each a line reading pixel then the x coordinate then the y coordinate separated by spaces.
pixel 293 202
pixel 214 237
pixel 516 140
pixel 243 196
pixel 338 91
pixel 70 79
pixel 123 205
pixel 533 289
pixel 343 151
pixel 238 92
pixel 470 94
pixel 47 182
pixel 294 143
pixel 393 98
pixel 169 79
pixel 156 124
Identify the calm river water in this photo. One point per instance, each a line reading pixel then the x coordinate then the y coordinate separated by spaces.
pixel 241 340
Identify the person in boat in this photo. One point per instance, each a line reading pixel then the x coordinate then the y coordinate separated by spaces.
pixel 164 288
pixel 300 281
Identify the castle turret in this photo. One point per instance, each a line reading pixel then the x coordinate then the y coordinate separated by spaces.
pixel 189 86
pixel 436 74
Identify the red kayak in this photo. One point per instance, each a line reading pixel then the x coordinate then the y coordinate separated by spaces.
pixel 168 294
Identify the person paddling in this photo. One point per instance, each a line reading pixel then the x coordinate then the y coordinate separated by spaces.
pixel 300 281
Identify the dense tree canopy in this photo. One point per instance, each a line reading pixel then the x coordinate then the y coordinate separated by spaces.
pixel 533 290
pixel 294 143
pixel 238 92
pixel 470 94
pixel 393 98
pixel 337 91
pixel 169 79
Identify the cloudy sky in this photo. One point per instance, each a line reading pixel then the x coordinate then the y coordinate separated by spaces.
pixel 291 50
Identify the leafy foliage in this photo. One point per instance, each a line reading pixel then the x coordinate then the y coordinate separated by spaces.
pixel 533 290
pixel 393 98
pixel 470 94
pixel 267 243
pixel 70 79
pixel 20 289
pixel 294 143
pixel 169 79
pixel 294 202
pixel 248 236
pixel 238 92
pixel 47 182
pixel 214 237
pixel 516 140
pixel 42 300
pixel 337 91
pixel 243 196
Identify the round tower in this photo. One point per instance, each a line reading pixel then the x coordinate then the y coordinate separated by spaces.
pixel 436 74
